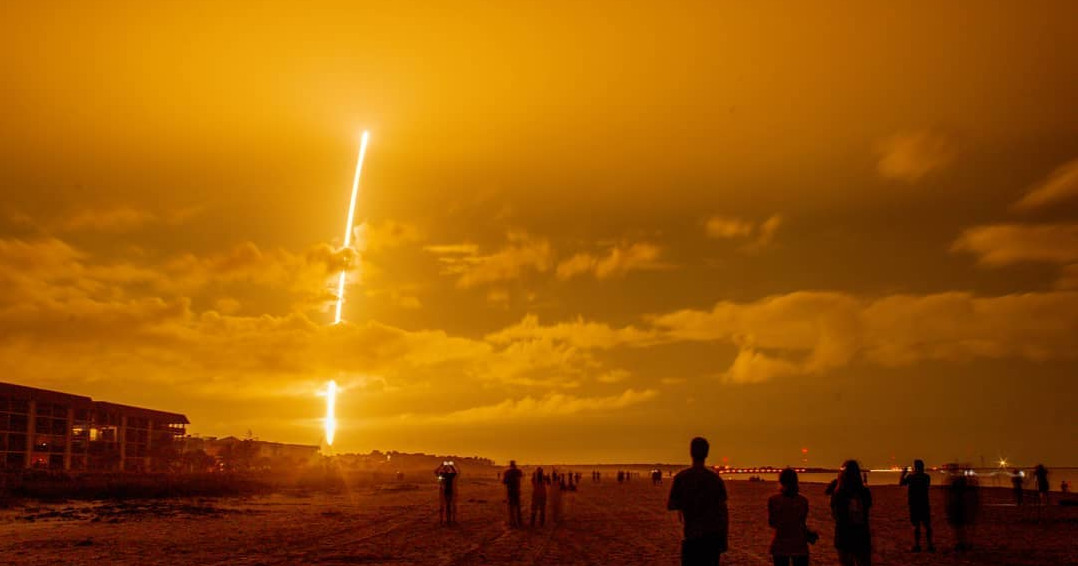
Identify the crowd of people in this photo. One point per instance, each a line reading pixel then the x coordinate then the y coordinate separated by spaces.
pixel 698 494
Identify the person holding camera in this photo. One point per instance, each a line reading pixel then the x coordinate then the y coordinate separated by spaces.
pixel 787 512
pixel 447 500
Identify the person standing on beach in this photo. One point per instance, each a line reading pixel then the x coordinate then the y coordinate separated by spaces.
pixel 511 478
pixel 850 504
pixel 698 494
pixel 1016 486
pixel 539 482
pixel 447 480
pixel 963 505
pixel 917 495
pixel 787 512
pixel 1040 473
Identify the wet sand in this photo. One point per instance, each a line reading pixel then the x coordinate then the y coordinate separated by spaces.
pixel 396 523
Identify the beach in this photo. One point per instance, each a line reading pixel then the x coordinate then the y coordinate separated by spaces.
pixel 397 523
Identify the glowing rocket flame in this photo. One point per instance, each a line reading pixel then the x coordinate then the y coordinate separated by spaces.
pixel 351 216
pixel 331 411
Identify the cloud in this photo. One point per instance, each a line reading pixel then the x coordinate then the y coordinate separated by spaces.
pixel 726 227
pixel 613 376
pixel 528 408
pixel 621 259
pixel 807 333
pixel 1005 244
pixel 909 156
pixel 729 228
pixel 1061 184
pixel 521 255
pixel 388 234
pixel 578 333
pixel 1068 280
pixel 119 219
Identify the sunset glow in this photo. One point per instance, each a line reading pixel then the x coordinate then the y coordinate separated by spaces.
pixel 596 229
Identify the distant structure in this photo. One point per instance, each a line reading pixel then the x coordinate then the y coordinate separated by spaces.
pixel 51 430
pixel 231 453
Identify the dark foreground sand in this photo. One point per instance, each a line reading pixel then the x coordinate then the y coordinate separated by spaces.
pixel 397 524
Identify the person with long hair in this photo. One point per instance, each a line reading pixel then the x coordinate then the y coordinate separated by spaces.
pixel 787 512
pixel 850 504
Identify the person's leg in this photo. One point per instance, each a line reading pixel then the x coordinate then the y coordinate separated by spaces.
pixel 917 535
pixel 928 533
pixel 799 560
pixel 864 558
pixel 845 558
pixel 700 552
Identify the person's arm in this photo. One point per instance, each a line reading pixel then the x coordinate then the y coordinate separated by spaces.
pixel 673 503
pixel 904 478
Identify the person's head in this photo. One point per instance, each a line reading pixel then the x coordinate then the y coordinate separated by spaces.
pixel 539 471
pixel 850 478
pixel 919 465
pixel 512 463
pixel 788 481
pixel 699 448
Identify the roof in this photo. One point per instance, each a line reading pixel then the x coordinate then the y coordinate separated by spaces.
pixel 35 394
pixel 143 412
pixel 49 396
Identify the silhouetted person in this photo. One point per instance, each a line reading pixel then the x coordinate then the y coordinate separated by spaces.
pixel 556 498
pixel 447 480
pixel 511 479
pixel 539 482
pixel 963 503
pixel 1065 487
pixel 1040 473
pixel 831 486
pixel 699 495
pixel 787 512
pixel 1016 485
pixel 918 484
pixel 850 504
pixel 621 476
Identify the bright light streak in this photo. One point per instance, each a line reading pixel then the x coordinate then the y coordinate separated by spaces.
pixel 351 217
pixel 331 411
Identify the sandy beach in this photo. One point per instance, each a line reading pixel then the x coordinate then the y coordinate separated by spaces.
pixel 396 523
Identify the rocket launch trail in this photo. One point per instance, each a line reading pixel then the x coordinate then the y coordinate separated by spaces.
pixel 351 218
pixel 330 421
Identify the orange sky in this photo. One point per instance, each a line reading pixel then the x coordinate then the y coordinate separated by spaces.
pixel 590 233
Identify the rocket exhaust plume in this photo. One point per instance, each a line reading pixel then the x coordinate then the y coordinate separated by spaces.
pixel 331 411
pixel 351 217
pixel 330 422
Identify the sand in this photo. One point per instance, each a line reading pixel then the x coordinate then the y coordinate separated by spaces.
pixel 396 523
